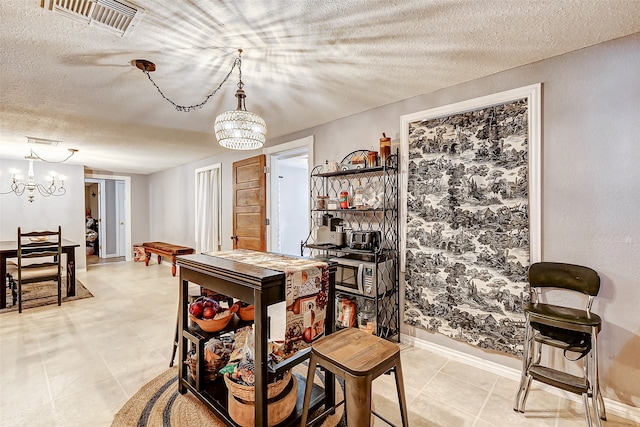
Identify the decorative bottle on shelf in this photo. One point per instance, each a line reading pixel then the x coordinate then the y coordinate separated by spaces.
pixel 385 149
pixel 367 318
pixel 344 197
pixel 358 198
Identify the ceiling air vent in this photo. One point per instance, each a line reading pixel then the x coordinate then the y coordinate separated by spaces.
pixel 116 16
pixel 42 141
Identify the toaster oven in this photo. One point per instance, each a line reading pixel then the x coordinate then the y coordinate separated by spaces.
pixel 365 240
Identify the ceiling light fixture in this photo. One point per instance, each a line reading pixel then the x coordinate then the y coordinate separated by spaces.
pixel 50 189
pixel 238 129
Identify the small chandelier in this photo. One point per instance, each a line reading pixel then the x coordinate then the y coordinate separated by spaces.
pixel 238 129
pixel 50 189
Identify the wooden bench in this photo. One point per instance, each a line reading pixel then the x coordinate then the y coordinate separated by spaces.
pixel 165 250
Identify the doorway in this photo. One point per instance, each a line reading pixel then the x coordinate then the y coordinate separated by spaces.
pixel 94 212
pixel 113 217
pixel 288 198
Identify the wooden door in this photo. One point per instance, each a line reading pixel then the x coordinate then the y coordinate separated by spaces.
pixel 250 204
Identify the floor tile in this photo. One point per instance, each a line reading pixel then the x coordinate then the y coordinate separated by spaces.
pixel 77 364
pixel 449 389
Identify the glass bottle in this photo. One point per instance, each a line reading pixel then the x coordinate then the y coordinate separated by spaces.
pixel 367 318
pixel 385 149
pixel 344 196
pixel 358 198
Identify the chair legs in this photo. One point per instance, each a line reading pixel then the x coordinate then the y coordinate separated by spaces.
pixel 603 412
pixel 176 339
pixel 307 389
pixel 597 400
pixel 357 394
pixel 19 296
pixel 585 401
pixel 16 293
pixel 404 414
pixel 518 404
pixel 13 287
pixel 532 355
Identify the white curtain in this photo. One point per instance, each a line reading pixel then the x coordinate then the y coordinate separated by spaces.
pixel 208 210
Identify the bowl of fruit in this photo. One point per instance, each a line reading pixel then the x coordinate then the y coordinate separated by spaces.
pixel 245 311
pixel 209 315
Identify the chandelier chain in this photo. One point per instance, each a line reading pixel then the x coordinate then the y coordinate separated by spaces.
pixel 185 108
pixel 35 155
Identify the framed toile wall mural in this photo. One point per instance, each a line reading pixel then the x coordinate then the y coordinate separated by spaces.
pixel 471 174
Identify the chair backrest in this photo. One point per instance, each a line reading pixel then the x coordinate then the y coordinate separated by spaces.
pixel 564 276
pixel 43 252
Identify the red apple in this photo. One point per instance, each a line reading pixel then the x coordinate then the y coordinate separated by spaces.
pixel 196 309
pixel 307 336
pixel 213 304
pixel 208 313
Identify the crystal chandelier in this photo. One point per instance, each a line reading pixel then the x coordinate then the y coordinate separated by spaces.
pixel 238 129
pixel 31 186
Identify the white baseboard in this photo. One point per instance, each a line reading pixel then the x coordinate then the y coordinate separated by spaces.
pixel 612 406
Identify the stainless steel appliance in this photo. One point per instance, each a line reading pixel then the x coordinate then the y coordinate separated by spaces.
pixel 326 236
pixel 331 232
pixel 365 240
pixel 360 276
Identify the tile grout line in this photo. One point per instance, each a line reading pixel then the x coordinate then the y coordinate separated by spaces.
pixel 113 376
pixel 46 375
pixel 495 381
pixel 424 387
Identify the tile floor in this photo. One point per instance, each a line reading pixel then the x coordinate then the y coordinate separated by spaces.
pixel 77 364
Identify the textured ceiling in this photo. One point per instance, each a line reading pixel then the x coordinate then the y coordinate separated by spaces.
pixel 305 63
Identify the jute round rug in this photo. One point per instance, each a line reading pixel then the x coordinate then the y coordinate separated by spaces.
pixel 158 403
pixel 44 293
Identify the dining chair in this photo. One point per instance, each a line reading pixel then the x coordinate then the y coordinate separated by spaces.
pixel 39 259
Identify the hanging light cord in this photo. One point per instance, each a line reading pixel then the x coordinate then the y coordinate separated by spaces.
pixel 185 108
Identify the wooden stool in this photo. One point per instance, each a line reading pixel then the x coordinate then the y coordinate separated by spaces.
pixel 359 358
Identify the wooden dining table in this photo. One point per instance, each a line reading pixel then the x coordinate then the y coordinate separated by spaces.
pixel 9 249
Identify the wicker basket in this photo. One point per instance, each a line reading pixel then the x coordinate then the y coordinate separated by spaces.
pixel 243 413
pixel 247 393
pixel 210 368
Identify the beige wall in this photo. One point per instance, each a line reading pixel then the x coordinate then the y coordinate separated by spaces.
pixel 45 213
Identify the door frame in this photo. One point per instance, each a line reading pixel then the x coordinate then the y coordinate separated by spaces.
pixel 101 213
pixel 274 153
pixel 127 207
pixel 121 237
